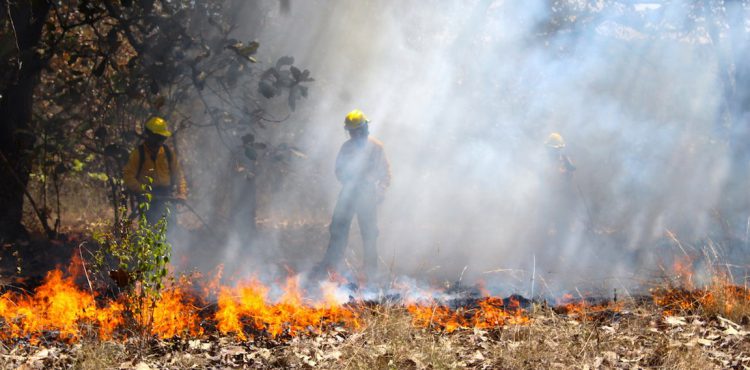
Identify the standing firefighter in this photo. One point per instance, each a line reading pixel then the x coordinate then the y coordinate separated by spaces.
pixel 153 159
pixel 561 195
pixel 364 173
pixel 555 145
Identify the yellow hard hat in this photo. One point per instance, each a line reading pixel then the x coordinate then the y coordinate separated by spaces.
pixel 158 126
pixel 555 141
pixel 355 119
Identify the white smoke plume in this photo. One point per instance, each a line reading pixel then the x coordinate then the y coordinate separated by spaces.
pixel 464 94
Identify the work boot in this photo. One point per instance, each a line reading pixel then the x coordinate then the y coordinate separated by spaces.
pixel 319 272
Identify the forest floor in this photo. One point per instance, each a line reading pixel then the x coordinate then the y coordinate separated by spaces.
pixel 638 336
pixel 681 331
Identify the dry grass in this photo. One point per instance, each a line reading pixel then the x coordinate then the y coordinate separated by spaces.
pixel 705 328
pixel 389 340
pixel 549 341
pixel 727 300
pixel 636 337
pixel 99 355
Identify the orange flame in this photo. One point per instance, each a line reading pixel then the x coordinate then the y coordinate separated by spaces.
pixel 247 306
pixel 175 314
pixel 57 305
pixel 248 310
pixel 490 313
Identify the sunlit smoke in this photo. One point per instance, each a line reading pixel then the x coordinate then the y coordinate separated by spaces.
pixel 464 94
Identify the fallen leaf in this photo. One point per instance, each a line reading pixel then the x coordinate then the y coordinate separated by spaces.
pixel 40 355
pixel 675 320
pixel 597 362
pixel 333 355
pixel 142 366
pixel 731 331
pixel 725 321
pixel 610 357
pixel 701 341
pixel 478 356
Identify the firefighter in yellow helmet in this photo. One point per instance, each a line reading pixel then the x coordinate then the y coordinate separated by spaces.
pixel 364 173
pixel 558 206
pixel 555 144
pixel 154 159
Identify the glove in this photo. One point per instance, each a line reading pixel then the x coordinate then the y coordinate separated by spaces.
pixel 380 194
pixel 179 198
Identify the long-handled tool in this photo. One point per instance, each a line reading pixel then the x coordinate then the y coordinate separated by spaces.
pixel 188 206
pixel 192 210
pixel 590 223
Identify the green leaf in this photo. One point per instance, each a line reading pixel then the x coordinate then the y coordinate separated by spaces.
pixel 250 49
pixel 266 89
pixel 98 176
pixel 77 165
pixel 296 73
pixel 284 61
pixel 251 154
pixel 249 138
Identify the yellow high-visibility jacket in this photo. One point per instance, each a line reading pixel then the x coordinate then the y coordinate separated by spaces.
pixel 363 162
pixel 164 174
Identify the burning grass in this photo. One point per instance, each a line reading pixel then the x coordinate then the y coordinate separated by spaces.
pixel 638 336
pixel 62 325
pixel 59 306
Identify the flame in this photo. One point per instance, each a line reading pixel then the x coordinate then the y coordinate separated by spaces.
pixel 579 308
pixel 57 305
pixel 682 267
pixel 60 309
pixel 720 295
pixel 248 306
pixel 436 316
pixel 491 312
pixel 175 314
pixel 209 287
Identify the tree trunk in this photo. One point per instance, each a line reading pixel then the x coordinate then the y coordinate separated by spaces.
pixel 26 20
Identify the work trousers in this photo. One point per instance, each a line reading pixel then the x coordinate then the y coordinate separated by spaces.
pixel 160 207
pixel 361 201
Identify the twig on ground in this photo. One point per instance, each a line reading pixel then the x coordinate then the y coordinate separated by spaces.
pixel 83 264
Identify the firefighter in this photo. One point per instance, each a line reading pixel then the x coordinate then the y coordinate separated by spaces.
pixel 364 173
pixel 153 159
pixel 555 144
pixel 561 190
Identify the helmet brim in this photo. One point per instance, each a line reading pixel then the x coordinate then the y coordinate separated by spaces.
pixel 164 133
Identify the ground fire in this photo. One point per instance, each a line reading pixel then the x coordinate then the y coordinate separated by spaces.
pixel 483 184
pixel 60 309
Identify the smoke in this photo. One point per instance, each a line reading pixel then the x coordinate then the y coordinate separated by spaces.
pixel 464 94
